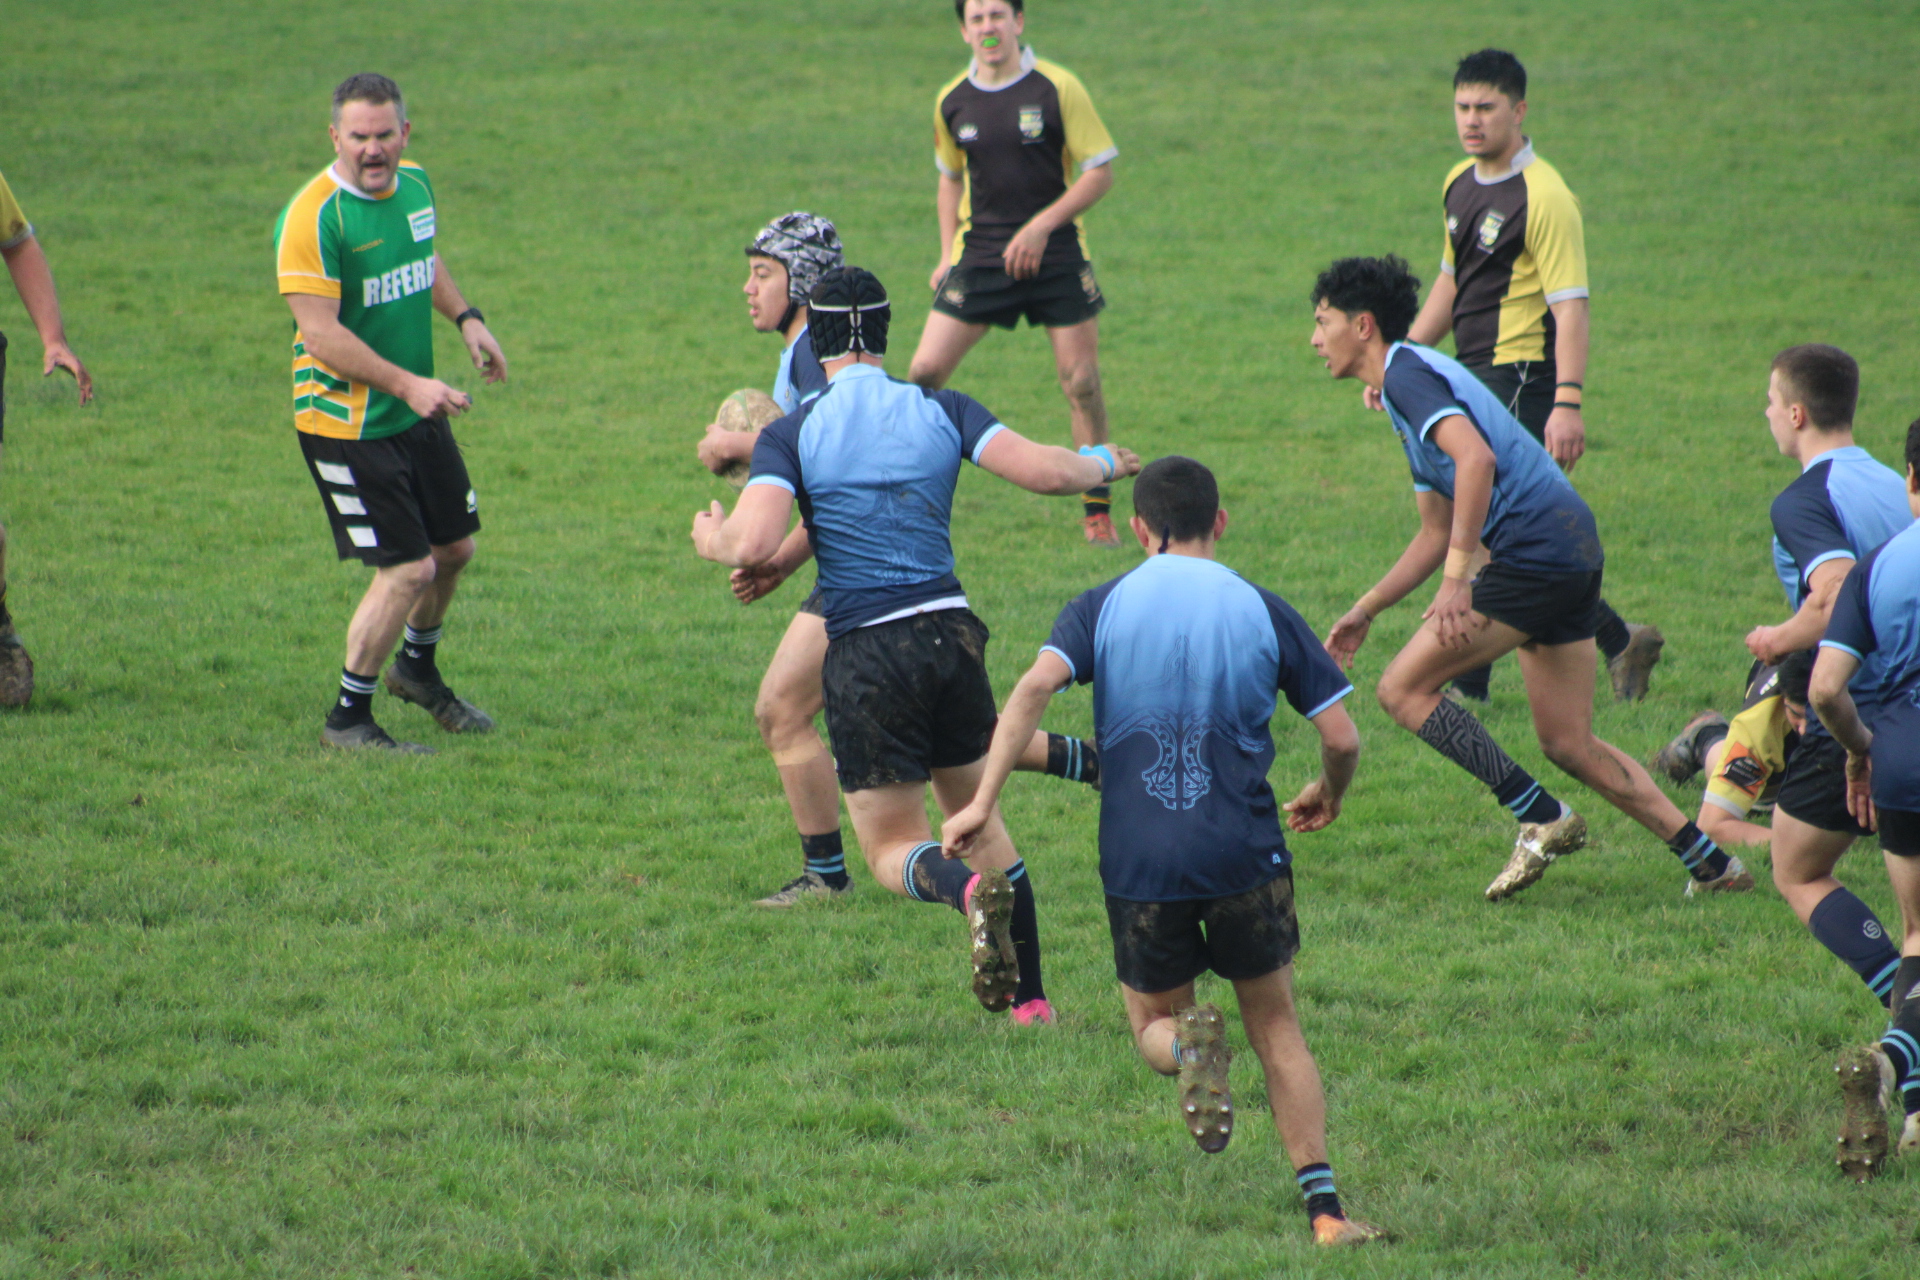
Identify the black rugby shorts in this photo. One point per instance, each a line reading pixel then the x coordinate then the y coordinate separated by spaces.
pixel 1814 787
pixel 906 697
pixel 1899 832
pixel 1158 946
pixel 1064 294
pixel 1551 608
pixel 392 500
pixel 1525 387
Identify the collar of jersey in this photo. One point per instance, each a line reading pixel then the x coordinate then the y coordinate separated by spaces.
pixel 1844 451
pixel 1027 59
pixel 352 190
pixel 1521 159
pixel 863 370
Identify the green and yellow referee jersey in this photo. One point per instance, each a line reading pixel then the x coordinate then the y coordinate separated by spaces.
pixel 1017 147
pixel 1514 247
pixel 375 254
pixel 14 227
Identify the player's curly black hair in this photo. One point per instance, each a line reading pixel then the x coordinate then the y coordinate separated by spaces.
pixel 1385 286
pixel 1495 67
pixel 1795 673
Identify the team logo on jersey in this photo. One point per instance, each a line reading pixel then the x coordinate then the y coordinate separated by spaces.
pixel 968 132
pixel 1179 777
pixel 421 221
pixel 1032 123
pixel 1453 224
pixel 1490 227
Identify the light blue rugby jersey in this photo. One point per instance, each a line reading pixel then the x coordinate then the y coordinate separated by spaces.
pixel 872 462
pixel 1535 519
pixel 1877 620
pixel 800 378
pixel 1844 504
pixel 1186 658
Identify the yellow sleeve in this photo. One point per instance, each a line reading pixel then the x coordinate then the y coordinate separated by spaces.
pixel 1556 237
pixel 1089 145
pixel 1446 232
pixel 309 250
pixel 1755 750
pixel 947 154
pixel 14 227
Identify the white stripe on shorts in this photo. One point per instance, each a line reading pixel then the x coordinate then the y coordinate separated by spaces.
pixel 335 473
pixel 362 535
pixel 348 505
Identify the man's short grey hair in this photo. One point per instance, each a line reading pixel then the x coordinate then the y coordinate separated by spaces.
pixel 369 87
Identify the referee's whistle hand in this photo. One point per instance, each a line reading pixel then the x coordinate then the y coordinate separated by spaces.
pixel 430 397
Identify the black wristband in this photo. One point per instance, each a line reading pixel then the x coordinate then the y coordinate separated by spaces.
pixel 1566 404
pixel 1575 385
pixel 471 313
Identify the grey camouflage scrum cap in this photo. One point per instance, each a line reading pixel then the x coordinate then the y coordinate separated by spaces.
pixel 805 244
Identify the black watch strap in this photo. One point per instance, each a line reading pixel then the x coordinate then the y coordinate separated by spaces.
pixel 471 313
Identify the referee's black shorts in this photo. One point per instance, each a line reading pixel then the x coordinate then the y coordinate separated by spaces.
pixel 392 500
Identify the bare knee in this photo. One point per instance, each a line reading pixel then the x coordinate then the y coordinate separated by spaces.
pixel 925 373
pixel 454 556
pixel 1400 702
pixel 1568 755
pixel 1081 382
pixel 780 721
pixel 410 580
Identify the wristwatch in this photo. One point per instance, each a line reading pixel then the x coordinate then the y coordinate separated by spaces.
pixel 471 313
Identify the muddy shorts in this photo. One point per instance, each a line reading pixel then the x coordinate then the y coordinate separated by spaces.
pixel 1158 946
pixel 1551 608
pixel 392 500
pixel 1814 787
pixel 906 697
pixel 1060 295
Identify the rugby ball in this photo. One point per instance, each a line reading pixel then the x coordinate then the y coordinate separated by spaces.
pixel 748 409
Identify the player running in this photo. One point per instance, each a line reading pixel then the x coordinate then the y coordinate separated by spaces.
pixel 1744 757
pixel 1512 289
pixel 1185 658
pixel 872 463
pixel 1870 658
pixel 1843 505
pixel 784 261
pixel 1022 155
pixel 33 278
pixel 1479 478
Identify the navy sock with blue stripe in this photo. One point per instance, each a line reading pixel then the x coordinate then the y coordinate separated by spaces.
pixel 1696 849
pixel 826 858
pixel 1455 733
pixel 930 877
pixel 1026 935
pixel 1316 1186
pixel 1902 1041
pixel 1074 759
pixel 1847 927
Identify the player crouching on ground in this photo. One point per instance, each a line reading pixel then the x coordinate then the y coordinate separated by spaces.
pixel 872 463
pixel 1872 646
pixel 1478 477
pixel 1185 658
pixel 1743 758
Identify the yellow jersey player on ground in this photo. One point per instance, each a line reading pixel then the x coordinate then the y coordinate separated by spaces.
pixel 34 279
pixel 1744 757
pixel 1513 290
pixel 1022 155
pixel 358 267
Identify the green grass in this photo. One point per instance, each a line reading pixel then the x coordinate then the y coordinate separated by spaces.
pixel 503 1013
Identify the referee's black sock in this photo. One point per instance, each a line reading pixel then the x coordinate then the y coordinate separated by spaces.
pixel 418 650
pixel 1026 936
pixel 1098 500
pixel 1696 849
pixel 826 857
pixel 355 703
pixel 1074 759
pixel 1611 635
pixel 928 876
pixel 1453 731
pixel 1847 927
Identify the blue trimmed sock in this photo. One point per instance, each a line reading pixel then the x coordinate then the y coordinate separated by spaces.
pixel 1847 927
pixel 417 650
pixel 1025 927
pixel 1902 1041
pixel 929 877
pixel 1074 759
pixel 1316 1186
pixel 1529 801
pixel 1697 851
pixel 826 858
pixel 355 703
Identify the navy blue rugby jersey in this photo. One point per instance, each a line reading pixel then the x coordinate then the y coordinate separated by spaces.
pixel 872 462
pixel 1186 658
pixel 800 378
pixel 1535 519
pixel 1877 620
pixel 1844 504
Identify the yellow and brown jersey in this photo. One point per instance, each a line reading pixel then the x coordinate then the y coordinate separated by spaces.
pixel 1760 740
pixel 1514 247
pixel 14 227
pixel 1018 147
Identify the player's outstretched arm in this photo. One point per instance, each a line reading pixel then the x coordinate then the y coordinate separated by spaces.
pixel 1318 803
pixel 751 535
pixel 33 277
pixel 1415 565
pixel 341 350
pixel 1726 829
pixel 482 349
pixel 1049 469
pixel 1828 693
pixel 1028 702
pixel 1804 629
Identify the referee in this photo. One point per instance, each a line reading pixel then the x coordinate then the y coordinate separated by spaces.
pixel 1513 289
